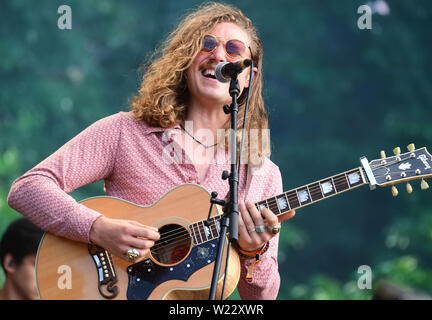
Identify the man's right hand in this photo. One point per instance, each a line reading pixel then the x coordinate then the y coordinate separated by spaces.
pixel 117 236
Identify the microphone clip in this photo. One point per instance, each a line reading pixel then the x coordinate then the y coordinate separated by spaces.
pixel 234 89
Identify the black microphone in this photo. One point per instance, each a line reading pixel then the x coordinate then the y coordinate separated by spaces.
pixel 225 70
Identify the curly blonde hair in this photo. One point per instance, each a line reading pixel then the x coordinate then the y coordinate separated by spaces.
pixel 163 95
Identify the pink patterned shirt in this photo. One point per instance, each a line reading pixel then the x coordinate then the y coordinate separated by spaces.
pixel 127 155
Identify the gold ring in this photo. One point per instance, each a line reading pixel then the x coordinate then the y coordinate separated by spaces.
pixel 132 254
pixel 275 229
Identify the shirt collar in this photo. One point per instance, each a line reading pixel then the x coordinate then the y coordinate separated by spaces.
pixel 149 130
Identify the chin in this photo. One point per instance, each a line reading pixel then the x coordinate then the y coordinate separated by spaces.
pixel 219 101
pixel 210 96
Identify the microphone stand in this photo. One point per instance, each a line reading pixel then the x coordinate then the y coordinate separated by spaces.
pixel 230 218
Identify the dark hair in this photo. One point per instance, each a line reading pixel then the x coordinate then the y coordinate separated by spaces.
pixel 20 239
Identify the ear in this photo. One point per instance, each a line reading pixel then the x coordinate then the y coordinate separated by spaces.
pixel 9 263
pixel 255 71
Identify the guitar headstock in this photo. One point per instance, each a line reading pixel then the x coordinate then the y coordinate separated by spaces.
pixel 413 165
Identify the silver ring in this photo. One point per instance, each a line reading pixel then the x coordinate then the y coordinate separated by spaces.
pixel 260 229
pixel 252 230
pixel 133 254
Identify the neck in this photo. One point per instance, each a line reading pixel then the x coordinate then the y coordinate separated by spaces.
pixel 314 192
pixel 206 116
pixel 9 292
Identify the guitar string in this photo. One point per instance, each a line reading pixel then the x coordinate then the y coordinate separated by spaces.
pixel 389 163
pixel 272 204
pixel 164 247
pixel 317 194
pixel 198 231
pixel 181 232
pixel 291 196
pixel 313 190
pixel 170 233
pixel 337 182
pixel 185 239
pixel 381 165
pixel 341 177
pixel 184 234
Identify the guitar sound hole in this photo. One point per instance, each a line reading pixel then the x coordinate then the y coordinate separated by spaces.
pixel 173 246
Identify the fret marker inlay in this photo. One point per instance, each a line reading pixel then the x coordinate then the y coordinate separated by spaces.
pixel 303 196
pixel 217 222
pixel 353 178
pixel 207 231
pixel 327 187
pixel 282 203
pixel 262 206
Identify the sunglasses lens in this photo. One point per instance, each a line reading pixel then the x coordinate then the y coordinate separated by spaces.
pixel 235 48
pixel 209 43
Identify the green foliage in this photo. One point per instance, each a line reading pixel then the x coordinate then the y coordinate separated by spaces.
pixel 334 93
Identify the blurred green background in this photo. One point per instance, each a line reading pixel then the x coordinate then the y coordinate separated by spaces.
pixel 334 93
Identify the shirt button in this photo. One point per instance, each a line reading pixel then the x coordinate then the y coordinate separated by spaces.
pixel 191 179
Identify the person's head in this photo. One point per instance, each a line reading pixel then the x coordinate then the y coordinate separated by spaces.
pixel 176 76
pixel 18 249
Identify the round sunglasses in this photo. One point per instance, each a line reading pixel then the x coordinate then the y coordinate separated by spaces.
pixel 234 48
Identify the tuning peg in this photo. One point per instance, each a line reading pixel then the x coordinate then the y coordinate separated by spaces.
pixel 424 185
pixel 395 191
pixel 409 189
pixel 382 154
pixel 396 151
pixel 411 147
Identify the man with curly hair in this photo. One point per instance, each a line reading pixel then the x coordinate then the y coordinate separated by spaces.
pixel 159 144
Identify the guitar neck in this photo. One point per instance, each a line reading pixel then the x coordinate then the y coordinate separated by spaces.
pixel 290 200
pixel 314 192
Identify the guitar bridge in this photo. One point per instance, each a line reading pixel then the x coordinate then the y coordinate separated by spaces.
pixel 106 272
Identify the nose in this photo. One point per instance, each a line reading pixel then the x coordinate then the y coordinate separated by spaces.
pixel 219 53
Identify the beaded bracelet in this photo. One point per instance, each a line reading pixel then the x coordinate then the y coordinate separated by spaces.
pixel 257 254
pixel 252 254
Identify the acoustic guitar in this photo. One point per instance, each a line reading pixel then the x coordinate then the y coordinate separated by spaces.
pixel 180 264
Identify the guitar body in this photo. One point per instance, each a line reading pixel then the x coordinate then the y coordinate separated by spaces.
pixel 175 269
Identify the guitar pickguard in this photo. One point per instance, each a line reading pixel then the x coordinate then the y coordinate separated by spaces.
pixel 146 275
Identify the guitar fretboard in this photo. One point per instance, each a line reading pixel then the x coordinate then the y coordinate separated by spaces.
pixel 313 192
pixel 202 233
pixel 290 200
